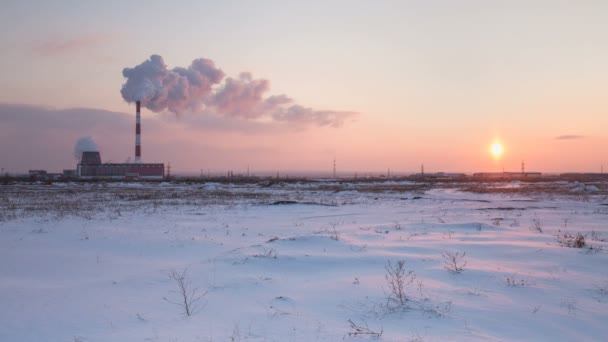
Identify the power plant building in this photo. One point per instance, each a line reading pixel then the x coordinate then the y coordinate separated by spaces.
pixel 91 167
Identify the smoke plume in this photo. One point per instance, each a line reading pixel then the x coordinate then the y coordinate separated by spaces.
pixel 159 88
pixel 84 144
pixel 198 88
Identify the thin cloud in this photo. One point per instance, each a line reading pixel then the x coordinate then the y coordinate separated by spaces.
pixel 53 47
pixel 570 137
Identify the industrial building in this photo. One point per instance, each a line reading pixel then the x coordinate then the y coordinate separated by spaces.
pixel 91 167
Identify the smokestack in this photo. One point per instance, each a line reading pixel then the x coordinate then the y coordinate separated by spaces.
pixel 138 132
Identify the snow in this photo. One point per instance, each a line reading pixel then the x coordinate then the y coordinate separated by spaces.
pixel 295 262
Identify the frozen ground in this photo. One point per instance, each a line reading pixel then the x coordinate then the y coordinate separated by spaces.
pixel 296 262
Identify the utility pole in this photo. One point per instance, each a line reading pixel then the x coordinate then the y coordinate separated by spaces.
pixel 334 167
pixel 422 170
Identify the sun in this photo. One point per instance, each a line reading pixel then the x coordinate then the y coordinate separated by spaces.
pixel 497 150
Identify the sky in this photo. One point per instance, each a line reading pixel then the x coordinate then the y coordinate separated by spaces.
pixel 376 85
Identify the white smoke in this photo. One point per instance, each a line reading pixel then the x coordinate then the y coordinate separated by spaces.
pixel 84 144
pixel 159 88
pixel 192 88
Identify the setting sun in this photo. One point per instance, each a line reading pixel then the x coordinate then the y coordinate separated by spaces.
pixel 497 150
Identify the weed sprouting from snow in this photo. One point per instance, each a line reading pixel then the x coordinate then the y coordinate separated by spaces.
pixel 362 330
pixel 188 296
pixel 600 293
pixel 267 253
pixel 516 281
pixel 398 281
pixel 570 305
pixel 331 230
pixel 236 334
pixel 536 225
pixel 595 236
pixel 405 293
pixel 454 262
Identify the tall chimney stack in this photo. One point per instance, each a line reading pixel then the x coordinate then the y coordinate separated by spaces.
pixel 138 133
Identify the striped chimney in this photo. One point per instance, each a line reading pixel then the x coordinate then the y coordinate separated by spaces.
pixel 138 133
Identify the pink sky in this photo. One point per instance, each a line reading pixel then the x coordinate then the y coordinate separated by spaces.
pixel 430 82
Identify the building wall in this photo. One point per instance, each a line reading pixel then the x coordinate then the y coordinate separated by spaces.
pixel 146 171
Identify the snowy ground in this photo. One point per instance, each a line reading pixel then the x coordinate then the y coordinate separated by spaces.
pixel 296 262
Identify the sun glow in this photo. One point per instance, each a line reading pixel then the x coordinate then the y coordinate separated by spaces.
pixel 497 150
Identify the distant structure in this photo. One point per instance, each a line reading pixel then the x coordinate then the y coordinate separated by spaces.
pixel 507 175
pixel 137 131
pixel 39 175
pixel 334 167
pixel 91 167
pixel 35 173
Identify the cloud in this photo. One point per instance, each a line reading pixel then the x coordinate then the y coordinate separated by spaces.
pixel 302 115
pixel 61 46
pixel 34 137
pixel 244 98
pixel 570 137
pixel 199 88
pixel 176 90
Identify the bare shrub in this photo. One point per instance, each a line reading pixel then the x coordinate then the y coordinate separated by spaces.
pixel 595 236
pixel 536 225
pixel 266 253
pixel 570 305
pixel 515 281
pixel 362 330
pixel 571 241
pixel 454 262
pixel 397 281
pixel 333 232
pixel 600 293
pixel 236 334
pixel 189 296
pixel 405 293
pixel 396 225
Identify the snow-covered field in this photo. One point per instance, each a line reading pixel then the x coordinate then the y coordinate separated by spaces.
pixel 304 262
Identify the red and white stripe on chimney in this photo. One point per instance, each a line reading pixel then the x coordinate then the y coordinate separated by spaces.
pixel 138 132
